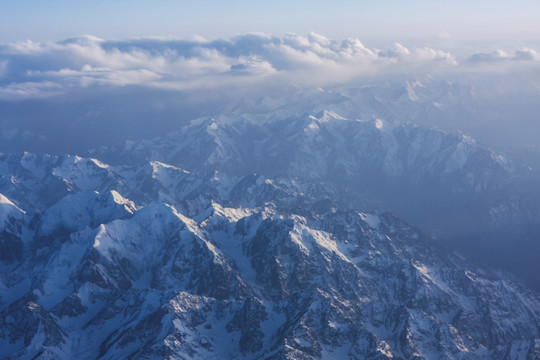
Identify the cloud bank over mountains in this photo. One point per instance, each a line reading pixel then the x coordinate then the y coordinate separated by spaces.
pixel 129 89
pixel 30 69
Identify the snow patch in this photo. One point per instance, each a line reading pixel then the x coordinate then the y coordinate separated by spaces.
pixel 372 220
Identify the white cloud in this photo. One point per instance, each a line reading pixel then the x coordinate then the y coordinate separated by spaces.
pixel 526 54
pixel 29 90
pixel 252 65
pixel 26 47
pixel 497 55
pixel 420 56
pixel 29 69
pixel 500 55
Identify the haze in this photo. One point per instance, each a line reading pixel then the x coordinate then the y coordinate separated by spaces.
pixel 383 21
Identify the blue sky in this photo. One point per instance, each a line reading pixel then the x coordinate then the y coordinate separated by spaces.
pixel 389 20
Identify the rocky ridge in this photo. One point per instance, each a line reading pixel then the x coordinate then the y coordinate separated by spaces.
pixel 154 261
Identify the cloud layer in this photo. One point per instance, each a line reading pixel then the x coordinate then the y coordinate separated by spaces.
pixel 30 69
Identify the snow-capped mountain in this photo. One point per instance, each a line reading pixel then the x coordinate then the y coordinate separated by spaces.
pixel 10 231
pixel 274 230
pixel 445 182
pixel 151 260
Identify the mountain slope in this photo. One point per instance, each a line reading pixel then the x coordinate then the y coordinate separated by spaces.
pixel 458 190
pixel 207 265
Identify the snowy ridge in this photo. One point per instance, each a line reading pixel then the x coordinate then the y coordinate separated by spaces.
pixel 444 178
pixel 83 209
pixel 318 146
pixel 11 227
pixel 8 211
pixel 374 147
pixel 205 265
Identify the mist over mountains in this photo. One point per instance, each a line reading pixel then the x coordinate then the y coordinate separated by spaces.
pixel 126 89
pixel 265 197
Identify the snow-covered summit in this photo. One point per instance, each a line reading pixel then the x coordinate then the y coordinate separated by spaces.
pixel 76 211
pixel 256 282
pixel 9 212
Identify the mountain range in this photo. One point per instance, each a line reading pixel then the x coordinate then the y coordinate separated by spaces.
pixel 273 230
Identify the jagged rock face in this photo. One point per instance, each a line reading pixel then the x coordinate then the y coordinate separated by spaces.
pixel 443 179
pixel 10 232
pixel 157 262
pixel 446 183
